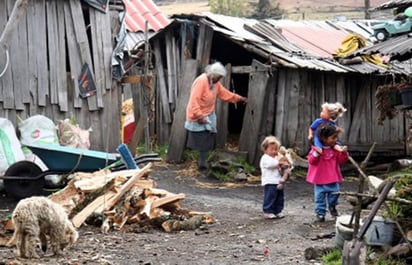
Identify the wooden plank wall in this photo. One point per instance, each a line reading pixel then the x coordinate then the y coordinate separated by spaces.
pixel 297 95
pixel 47 51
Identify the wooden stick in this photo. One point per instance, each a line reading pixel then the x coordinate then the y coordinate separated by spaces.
pixel 375 197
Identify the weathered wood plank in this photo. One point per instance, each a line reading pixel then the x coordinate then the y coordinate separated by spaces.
pixel 222 113
pixel 280 104
pixel 32 50
pixel 61 58
pixel 83 44
pixel 254 111
pixel 357 122
pixel 292 102
pixel 53 49
pixel 42 53
pixel 110 128
pixel 161 80
pixel 97 53
pixel 171 74
pixel 107 50
pixel 4 56
pixel 177 140
pixel 22 81
pixel 204 46
pixel 340 97
pixel 74 56
pixel 305 102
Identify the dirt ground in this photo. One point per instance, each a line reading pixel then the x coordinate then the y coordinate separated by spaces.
pixel 240 234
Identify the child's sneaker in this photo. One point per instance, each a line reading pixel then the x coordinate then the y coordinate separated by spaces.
pixel 280 216
pixel 270 216
pixel 333 211
pixel 320 218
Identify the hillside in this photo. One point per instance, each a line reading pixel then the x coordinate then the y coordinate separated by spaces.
pixel 302 9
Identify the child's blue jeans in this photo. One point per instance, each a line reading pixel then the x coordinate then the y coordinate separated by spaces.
pixel 325 195
pixel 273 199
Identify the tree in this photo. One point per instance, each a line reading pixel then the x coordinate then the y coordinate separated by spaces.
pixel 267 9
pixel 234 8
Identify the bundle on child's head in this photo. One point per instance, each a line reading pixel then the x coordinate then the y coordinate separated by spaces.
pixel 334 109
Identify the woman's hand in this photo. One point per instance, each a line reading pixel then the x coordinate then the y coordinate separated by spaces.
pixel 243 99
pixel 202 120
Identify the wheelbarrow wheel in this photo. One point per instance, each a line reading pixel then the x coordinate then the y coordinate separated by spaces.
pixel 31 182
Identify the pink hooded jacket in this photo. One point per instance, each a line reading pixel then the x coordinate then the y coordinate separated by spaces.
pixel 324 168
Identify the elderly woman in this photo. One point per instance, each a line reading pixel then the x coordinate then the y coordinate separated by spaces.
pixel 200 111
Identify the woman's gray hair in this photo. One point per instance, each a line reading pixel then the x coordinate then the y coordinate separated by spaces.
pixel 215 69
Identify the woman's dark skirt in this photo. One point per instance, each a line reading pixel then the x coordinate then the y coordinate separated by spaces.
pixel 201 141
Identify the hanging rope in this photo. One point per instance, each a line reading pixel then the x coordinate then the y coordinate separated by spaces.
pixel 7 63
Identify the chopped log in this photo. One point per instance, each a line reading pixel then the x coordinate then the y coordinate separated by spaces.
pixel 68 197
pixel 79 218
pixel 192 223
pixel 148 206
pixel 128 185
pixel 110 198
pixel 84 175
pixel 98 181
pixel 92 184
pixel 168 199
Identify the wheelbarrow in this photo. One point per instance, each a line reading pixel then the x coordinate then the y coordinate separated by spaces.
pixel 25 178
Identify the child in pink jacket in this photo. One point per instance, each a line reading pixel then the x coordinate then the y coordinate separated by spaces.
pixel 324 171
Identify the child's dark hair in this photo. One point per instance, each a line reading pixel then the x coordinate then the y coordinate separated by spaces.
pixel 325 130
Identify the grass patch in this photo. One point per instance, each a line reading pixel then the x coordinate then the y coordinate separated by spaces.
pixel 333 257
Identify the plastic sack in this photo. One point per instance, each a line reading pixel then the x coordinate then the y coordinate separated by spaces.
pixel 10 147
pixel 38 129
pixel 71 135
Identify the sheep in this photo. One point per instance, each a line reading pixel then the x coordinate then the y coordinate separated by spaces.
pixel 36 220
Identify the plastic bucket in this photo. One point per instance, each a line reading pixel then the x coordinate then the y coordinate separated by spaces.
pixel 380 232
pixel 344 231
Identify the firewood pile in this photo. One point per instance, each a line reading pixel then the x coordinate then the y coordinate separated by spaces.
pixel 128 197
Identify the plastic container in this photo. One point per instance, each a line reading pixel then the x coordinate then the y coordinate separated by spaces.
pixel 344 230
pixel 380 232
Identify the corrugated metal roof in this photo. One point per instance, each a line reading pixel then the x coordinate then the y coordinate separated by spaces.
pixel 392 4
pixel 306 44
pixel 140 11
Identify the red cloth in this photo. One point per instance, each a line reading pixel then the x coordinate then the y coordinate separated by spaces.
pixel 128 128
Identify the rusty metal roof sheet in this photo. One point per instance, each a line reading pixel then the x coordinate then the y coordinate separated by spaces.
pixel 397 48
pixel 295 44
pixel 140 11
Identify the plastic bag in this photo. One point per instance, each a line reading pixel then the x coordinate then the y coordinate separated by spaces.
pixel 10 147
pixel 71 135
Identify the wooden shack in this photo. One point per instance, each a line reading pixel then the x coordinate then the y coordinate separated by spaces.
pixel 285 88
pixel 44 47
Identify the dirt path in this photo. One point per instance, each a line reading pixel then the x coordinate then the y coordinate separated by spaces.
pixel 240 235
